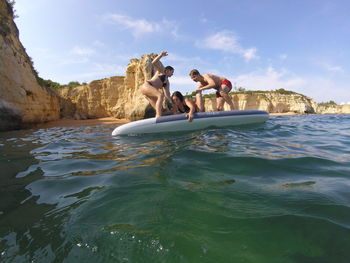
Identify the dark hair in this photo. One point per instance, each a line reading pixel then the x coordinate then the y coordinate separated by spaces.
pixel 178 95
pixel 168 68
pixel 194 72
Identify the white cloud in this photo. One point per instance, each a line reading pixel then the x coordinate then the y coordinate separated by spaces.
pixel 227 41
pixel 140 27
pixel 98 71
pixel 332 68
pixel 269 79
pixel 137 26
pixel 183 81
pixel 283 56
pixel 203 20
pixel 173 57
pixel 98 44
pixel 82 51
pixel 318 88
pixel 71 61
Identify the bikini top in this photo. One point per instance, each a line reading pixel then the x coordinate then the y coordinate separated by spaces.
pixel 163 79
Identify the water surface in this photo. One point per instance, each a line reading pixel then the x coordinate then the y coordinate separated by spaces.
pixel 272 192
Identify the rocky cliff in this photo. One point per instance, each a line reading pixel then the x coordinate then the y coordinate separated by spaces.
pixel 22 99
pixel 334 109
pixel 272 102
pixel 115 96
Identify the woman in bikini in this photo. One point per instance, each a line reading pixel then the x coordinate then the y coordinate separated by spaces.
pixel 185 105
pixel 157 88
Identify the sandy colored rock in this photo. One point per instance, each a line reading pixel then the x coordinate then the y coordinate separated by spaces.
pixel 272 102
pixel 334 109
pixel 116 96
pixel 22 99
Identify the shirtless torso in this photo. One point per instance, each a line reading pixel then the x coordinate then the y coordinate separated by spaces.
pixel 211 79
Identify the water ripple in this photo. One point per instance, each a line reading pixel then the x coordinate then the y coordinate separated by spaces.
pixel 273 192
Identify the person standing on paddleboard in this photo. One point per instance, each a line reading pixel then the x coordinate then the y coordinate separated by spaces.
pixel 158 88
pixel 210 81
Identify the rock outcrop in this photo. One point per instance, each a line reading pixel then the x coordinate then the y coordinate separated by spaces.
pixel 116 96
pixel 272 102
pixel 22 100
pixel 334 109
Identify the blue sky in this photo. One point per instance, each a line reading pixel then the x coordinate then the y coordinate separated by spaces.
pixel 297 45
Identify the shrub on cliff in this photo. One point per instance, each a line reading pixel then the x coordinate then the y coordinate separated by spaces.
pixel 11 8
pixel 49 83
pixel 73 84
pixel 55 85
pixel 328 103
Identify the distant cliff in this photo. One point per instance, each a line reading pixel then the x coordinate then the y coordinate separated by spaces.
pixel 334 109
pixel 22 100
pixel 273 102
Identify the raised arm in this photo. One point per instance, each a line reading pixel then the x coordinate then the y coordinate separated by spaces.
pixel 156 63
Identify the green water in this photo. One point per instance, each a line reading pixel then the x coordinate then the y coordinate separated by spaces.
pixel 273 192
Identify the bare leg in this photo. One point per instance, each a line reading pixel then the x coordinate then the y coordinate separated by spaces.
pixel 154 96
pixel 152 101
pixel 227 98
pixel 159 105
pixel 199 101
pixel 220 103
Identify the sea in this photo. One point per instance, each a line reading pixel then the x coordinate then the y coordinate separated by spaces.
pixel 272 192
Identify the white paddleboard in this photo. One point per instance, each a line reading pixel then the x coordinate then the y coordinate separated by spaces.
pixel 202 120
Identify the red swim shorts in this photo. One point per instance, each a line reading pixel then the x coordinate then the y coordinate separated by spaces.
pixel 227 83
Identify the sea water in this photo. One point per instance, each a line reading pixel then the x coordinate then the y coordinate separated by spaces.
pixel 272 192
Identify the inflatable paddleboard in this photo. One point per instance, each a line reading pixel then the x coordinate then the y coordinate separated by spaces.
pixel 201 120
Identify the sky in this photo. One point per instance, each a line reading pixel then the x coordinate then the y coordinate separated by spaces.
pixel 300 45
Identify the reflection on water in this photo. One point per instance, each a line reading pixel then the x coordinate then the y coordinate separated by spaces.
pixel 273 192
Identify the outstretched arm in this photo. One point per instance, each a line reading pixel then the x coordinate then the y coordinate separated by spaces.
pixel 211 84
pixel 192 107
pixel 156 63
pixel 166 90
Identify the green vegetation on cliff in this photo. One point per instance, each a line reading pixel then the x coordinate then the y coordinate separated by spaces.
pixel 328 103
pixel 55 85
pixel 250 92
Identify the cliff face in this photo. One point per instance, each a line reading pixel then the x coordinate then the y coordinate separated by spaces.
pixel 272 102
pixel 22 99
pixel 115 96
pixel 336 109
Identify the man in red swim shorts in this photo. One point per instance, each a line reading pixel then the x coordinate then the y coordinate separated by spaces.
pixel 209 81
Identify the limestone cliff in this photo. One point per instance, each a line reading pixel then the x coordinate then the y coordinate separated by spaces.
pixel 115 96
pixel 334 109
pixel 272 102
pixel 22 99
